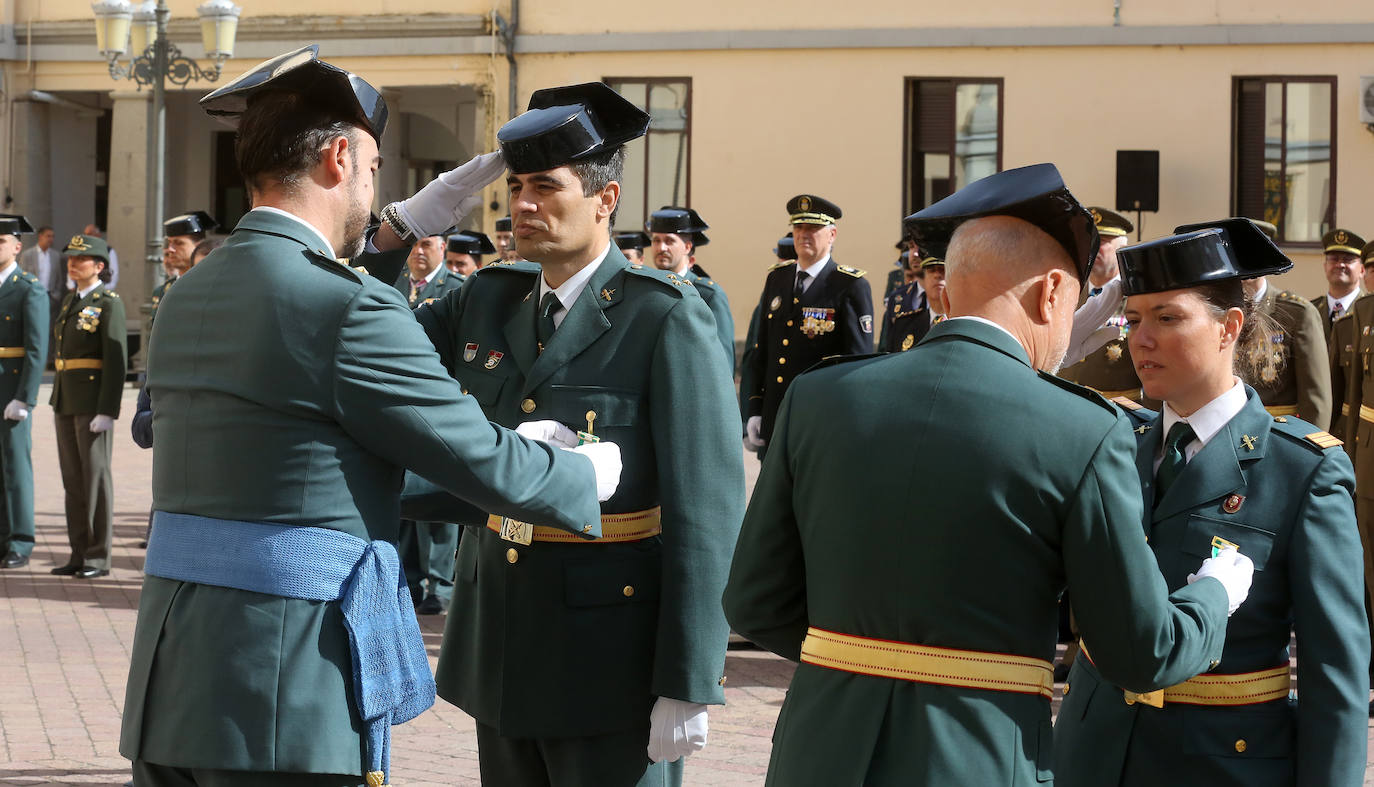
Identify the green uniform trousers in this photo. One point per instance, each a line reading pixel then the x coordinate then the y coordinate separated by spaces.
pixel 428 550
pixel 615 760
pixel 147 774
pixel 16 486
pixel 85 462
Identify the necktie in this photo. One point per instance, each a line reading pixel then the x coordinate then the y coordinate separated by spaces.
pixel 800 286
pixel 1094 291
pixel 544 327
pixel 1180 434
pixel 415 286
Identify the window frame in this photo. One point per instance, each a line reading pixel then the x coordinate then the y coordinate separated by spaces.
pixel 1285 80
pixel 908 93
pixel 648 83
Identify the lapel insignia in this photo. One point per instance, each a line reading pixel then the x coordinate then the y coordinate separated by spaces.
pixel 494 357
pixel 1142 429
pixel 1248 442
pixel 469 352
pixel 775 303
pixel 1232 503
pixel 1219 543
pixel 527 296
pixel 1114 352
pixel 606 293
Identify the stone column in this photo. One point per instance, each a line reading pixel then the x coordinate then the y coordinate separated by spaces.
pixel 128 211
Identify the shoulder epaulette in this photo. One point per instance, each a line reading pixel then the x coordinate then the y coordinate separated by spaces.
pixel 520 266
pixel 1304 433
pixel 1324 439
pixel 855 272
pixel 360 269
pixel 1086 393
pixel 1129 404
pixel 836 360
pixel 339 268
pixel 666 278
pixel 780 264
pixel 1289 295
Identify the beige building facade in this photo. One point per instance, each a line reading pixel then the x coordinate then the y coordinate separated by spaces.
pixel 1254 108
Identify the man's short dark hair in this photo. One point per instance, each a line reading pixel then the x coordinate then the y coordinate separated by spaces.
pixel 282 135
pixel 597 171
pixel 205 246
pixel 43 229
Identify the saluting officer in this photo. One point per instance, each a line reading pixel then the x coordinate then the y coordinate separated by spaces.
pixel 810 309
pixel 182 233
pixel 1107 370
pixel 24 336
pixel 464 252
pixel 575 657
pixel 1344 274
pixel 675 234
pixel 632 245
pixel 92 359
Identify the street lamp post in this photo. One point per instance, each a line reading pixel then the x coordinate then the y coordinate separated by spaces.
pixel 153 61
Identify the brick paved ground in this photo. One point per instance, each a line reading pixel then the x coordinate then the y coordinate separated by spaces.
pixel 64 652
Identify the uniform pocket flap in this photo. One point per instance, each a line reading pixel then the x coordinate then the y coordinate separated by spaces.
pixel 1203 531
pixel 613 406
pixel 596 583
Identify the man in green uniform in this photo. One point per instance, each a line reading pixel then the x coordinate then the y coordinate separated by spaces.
pixel 632 245
pixel 92 359
pixel 463 252
pixel 181 234
pixel 1344 273
pixel 276 643
pixel 592 663
pixel 24 336
pixel 925 638
pixel 1108 369
pixel 674 236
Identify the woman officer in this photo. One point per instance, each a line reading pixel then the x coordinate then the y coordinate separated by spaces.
pixel 1218 470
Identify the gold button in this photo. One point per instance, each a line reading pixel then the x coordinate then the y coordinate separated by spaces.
pixel 527 405
pixel 782 360
pixel 784 342
pixel 1066 688
pixel 779 379
pixel 721 682
pixel 628 591
pixel 465 392
pixel 1241 746
pixel 789 323
pixel 512 555
pixel 794 300
pixel 591 415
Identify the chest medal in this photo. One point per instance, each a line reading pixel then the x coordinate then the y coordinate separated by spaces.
pixel 88 319
pixel 816 321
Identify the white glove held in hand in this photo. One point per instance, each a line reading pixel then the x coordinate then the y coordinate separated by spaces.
pixel 1233 570
pixel 753 433
pixel 676 729
pixel 606 460
pixel 101 423
pixel 16 410
pixel 1090 331
pixel 448 198
pixel 551 432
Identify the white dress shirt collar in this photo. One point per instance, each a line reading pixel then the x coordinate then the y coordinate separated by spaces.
pixel 7 271
pixel 1206 422
pixel 83 293
pixel 324 242
pixel 1344 302
pixel 809 274
pixel 568 291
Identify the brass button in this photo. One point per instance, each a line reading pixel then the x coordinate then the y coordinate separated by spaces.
pixel 779 379
pixel 628 591
pixel 784 342
pixel 512 555
pixel 465 392
pixel 721 682
pixel 794 300
pixel 1066 688
pixel 782 360
pixel 1241 746
pixel 789 323
pixel 591 416
pixel 527 405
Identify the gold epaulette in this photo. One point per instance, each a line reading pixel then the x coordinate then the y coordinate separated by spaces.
pixel 1289 295
pixel 1129 404
pixel 360 269
pixel 781 264
pixel 855 272
pixel 1324 440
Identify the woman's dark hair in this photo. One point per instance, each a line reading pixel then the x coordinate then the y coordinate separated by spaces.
pixel 205 247
pixel 1259 358
pixel 105 275
pixel 282 135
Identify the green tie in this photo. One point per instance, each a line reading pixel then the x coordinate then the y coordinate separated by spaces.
pixel 1180 434
pixel 543 329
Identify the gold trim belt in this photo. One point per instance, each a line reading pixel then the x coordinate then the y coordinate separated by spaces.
pixel 1283 409
pixel 615 528
pixel 971 669
pixel 1367 413
pixel 1241 688
pixel 77 363
pixel 11 352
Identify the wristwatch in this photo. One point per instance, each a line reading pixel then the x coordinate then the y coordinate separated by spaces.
pixel 393 219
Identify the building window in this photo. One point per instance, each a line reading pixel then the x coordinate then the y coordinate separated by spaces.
pixel 953 136
pixel 658 166
pixel 1284 131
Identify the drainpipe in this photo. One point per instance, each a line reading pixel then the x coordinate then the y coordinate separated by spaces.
pixel 507 30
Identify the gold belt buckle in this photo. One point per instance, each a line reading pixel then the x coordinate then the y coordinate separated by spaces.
pixel 1155 699
pixel 518 532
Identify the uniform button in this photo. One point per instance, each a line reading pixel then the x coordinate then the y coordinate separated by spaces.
pixel 628 591
pixel 465 392
pixel 782 360
pixel 1241 746
pixel 784 342
pixel 789 323
pixel 1066 688
pixel 527 405
pixel 721 682
pixel 794 300
pixel 512 555
pixel 779 379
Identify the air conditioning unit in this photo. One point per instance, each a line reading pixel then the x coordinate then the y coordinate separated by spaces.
pixel 1367 100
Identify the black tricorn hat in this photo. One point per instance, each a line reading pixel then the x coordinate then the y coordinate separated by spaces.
pixel 503 224
pixel 680 221
pixel 1036 194
pixel 302 71
pixel 189 224
pixel 810 209
pixel 469 242
pixel 1256 255
pixel 631 240
pixel 14 224
pixel 567 124
pixel 1180 261
pixel 786 248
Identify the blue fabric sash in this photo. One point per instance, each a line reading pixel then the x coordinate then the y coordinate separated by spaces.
pixel 391 676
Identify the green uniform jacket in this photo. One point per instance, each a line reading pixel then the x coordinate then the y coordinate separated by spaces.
pixel 443 282
pixel 304 414
pixel 91 328
pixel 24 304
pixel 972 551
pixel 714 296
pixel 1299 374
pixel 568 640
pixel 1297 523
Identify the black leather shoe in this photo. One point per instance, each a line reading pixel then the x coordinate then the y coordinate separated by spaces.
pixel 91 572
pixel 14 560
pixel 431 605
pixel 65 571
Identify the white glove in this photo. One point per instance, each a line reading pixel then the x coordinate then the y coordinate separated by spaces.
pixel 16 410
pixel 451 196
pixel 606 460
pixel 753 433
pixel 551 432
pixel 676 729
pixel 101 423
pixel 1090 330
pixel 1233 570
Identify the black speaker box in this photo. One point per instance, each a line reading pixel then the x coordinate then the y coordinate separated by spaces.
pixel 1137 180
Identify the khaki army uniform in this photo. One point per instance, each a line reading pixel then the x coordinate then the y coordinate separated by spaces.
pixel 1296 379
pixel 1108 370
